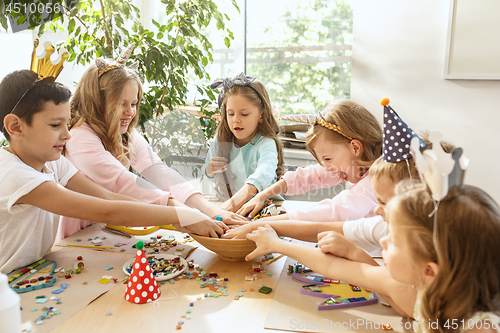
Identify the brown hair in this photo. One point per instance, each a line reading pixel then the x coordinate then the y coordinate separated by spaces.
pixel 397 171
pixel 354 121
pixel 465 246
pixel 17 83
pixel 95 102
pixel 268 127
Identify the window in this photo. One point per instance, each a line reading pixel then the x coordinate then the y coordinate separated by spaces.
pixel 300 49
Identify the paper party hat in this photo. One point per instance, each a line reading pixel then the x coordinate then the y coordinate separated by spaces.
pixel 397 136
pixel 142 286
pixel 439 170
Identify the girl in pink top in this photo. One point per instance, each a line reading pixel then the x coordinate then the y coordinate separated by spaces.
pixel 104 145
pixel 345 140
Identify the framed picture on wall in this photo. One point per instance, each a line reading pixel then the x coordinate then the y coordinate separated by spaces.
pixel 473 43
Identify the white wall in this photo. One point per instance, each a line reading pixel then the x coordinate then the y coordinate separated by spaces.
pixel 399 52
pixel 18 48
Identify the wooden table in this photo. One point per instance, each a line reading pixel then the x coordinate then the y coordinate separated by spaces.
pixel 209 314
pixel 222 314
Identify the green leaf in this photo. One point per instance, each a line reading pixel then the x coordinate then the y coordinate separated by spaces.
pixel 71 25
pixel 227 42
pixel 3 22
pixel 168 57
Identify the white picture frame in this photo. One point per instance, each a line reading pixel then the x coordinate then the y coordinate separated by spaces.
pixel 473 41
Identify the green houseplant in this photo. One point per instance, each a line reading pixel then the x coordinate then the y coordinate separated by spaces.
pixel 165 56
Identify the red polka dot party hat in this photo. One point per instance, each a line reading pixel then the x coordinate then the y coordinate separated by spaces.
pixel 142 286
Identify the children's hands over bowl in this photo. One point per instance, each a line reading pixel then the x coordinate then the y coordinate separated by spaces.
pixel 231 218
pixel 216 165
pixel 198 223
pixel 252 207
pixel 240 232
pixel 264 238
pixel 337 244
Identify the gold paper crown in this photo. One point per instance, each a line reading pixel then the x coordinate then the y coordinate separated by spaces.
pixel 43 66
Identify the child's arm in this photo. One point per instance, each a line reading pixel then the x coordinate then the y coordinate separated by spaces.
pixel 253 206
pixel 312 177
pixel 292 182
pixel 366 233
pixel 302 230
pixel 259 163
pixel 280 217
pixel 239 198
pixel 55 198
pixel 348 205
pixel 199 202
pixel 208 169
pixel 215 165
pixel 79 183
pixel 376 278
pixel 86 152
pixel 337 244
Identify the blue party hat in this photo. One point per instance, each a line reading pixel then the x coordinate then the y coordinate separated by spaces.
pixel 397 136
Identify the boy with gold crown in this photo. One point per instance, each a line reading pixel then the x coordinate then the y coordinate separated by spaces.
pixel 37 183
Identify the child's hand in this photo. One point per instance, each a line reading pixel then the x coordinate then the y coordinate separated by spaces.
pixel 264 238
pixel 231 218
pixel 240 232
pixel 336 244
pixel 234 203
pixel 252 207
pixel 205 227
pixel 229 205
pixel 216 165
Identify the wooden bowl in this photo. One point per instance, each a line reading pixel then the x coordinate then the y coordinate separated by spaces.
pixel 227 249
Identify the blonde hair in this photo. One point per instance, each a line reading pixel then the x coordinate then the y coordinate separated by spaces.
pixel 352 121
pixel 95 102
pixel 397 171
pixel 268 127
pixel 465 246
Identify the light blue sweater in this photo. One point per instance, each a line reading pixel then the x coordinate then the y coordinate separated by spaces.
pixel 255 163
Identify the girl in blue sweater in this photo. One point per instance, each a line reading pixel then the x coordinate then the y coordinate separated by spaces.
pixel 246 155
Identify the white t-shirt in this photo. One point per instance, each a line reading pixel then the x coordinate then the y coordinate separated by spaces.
pixel 26 232
pixel 366 233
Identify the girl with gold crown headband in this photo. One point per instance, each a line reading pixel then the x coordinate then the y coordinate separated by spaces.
pixel 362 235
pixel 105 144
pixel 345 140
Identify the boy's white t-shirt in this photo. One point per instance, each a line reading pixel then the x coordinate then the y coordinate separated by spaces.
pixel 26 232
pixel 366 233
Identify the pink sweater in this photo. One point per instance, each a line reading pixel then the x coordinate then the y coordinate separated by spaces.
pixel 87 153
pixel 348 205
